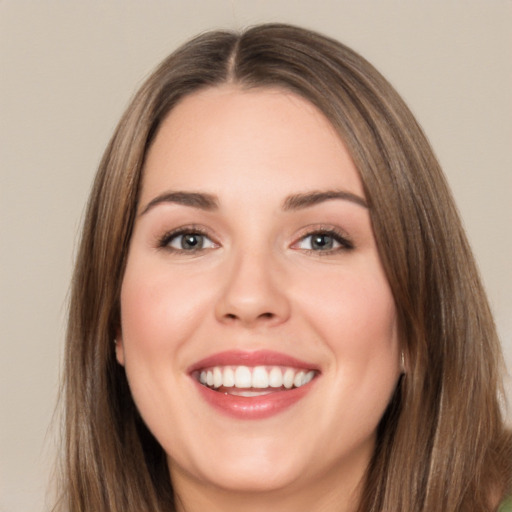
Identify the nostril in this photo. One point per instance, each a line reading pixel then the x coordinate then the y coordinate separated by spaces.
pixel 263 316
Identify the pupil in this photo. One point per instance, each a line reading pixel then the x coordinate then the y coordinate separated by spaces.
pixel 322 242
pixel 191 241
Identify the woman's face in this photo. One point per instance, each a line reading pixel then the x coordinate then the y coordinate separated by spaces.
pixel 258 333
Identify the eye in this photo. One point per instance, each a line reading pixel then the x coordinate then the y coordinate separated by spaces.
pixel 323 241
pixel 187 241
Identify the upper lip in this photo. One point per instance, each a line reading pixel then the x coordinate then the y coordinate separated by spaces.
pixel 251 358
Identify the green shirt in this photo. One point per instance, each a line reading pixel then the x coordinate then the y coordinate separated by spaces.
pixel 506 506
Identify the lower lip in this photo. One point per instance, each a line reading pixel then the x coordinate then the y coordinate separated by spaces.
pixel 256 407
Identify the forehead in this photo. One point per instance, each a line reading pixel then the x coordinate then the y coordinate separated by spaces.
pixel 224 137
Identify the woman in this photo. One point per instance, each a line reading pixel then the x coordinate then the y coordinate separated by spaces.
pixel 274 303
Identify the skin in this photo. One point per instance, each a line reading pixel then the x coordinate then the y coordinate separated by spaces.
pixel 258 283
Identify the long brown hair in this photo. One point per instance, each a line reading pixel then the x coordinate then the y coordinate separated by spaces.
pixel 441 443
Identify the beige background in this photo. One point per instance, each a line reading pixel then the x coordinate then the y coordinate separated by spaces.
pixel 68 69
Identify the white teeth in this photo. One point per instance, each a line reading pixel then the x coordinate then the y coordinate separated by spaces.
pixel 217 377
pixel 299 379
pixel 243 377
pixel 289 374
pixel 275 378
pixel 229 378
pixel 309 376
pixel 259 377
pixel 244 392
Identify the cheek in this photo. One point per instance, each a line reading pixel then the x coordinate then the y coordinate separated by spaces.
pixel 355 312
pixel 160 312
pixel 355 317
pixel 159 309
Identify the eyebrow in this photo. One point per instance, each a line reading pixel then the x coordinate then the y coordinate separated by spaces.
pixel 306 200
pixel 210 202
pixel 199 200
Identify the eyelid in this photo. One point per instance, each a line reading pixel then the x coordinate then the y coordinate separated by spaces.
pixel 339 235
pixel 162 241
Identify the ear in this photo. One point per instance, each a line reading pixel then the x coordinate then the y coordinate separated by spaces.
pixel 119 347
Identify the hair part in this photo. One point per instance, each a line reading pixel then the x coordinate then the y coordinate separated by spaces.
pixel 437 449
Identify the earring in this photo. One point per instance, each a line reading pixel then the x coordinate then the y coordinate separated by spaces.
pixel 402 362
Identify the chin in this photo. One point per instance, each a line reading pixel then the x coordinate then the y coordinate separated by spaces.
pixel 250 474
pixel 251 481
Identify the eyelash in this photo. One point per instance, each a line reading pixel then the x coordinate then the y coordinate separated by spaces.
pixel 345 244
pixel 167 238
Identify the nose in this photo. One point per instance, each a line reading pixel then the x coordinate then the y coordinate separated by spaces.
pixel 253 294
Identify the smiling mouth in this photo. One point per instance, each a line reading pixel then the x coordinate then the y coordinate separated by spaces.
pixel 254 381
